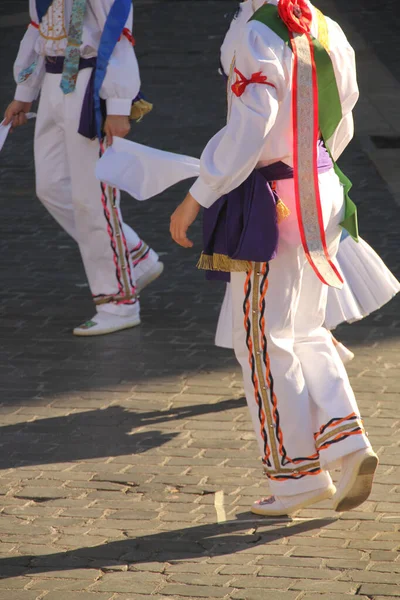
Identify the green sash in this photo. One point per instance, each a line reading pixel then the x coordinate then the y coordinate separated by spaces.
pixel 329 105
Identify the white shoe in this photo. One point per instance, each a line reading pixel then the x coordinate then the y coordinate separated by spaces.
pixel 286 505
pixel 104 322
pixel 345 354
pixel 149 276
pixel 357 475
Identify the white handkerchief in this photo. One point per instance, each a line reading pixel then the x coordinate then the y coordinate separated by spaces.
pixel 5 129
pixel 142 171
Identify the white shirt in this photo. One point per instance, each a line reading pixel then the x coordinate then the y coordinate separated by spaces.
pixel 259 130
pixel 122 81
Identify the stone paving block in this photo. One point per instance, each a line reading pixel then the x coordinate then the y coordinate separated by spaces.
pixel 295 572
pixel 20 595
pixel 254 594
pixel 381 589
pixel 330 596
pixel 144 583
pixel 370 577
pixel 192 591
pixel 61 585
pixel 15 583
pixel 60 595
pixel 386 567
pixel 321 586
pixel 342 553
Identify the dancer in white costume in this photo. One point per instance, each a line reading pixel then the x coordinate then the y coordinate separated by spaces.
pixel 303 409
pixel 117 262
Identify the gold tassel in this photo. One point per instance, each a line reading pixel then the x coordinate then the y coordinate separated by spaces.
pixel 140 109
pixel 220 262
pixel 282 211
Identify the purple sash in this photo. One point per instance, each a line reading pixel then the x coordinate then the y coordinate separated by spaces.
pixel 242 225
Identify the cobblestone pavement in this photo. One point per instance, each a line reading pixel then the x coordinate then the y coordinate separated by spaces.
pixel 128 462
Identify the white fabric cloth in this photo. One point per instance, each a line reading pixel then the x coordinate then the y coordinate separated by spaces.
pixel 259 128
pixel 296 386
pixel 5 129
pixel 369 284
pixel 142 171
pixel 66 184
pixel 122 81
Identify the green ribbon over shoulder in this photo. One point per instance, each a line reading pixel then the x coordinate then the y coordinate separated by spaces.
pixel 329 105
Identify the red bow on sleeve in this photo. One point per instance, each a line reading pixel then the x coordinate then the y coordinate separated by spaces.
pixel 241 83
pixel 128 34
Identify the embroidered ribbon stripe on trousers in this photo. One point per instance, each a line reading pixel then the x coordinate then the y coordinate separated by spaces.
pixel 255 290
pixel 278 465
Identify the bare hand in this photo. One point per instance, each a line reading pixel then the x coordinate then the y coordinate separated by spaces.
pixel 16 113
pixel 181 220
pixel 118 125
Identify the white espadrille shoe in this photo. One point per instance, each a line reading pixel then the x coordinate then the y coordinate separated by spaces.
pixel 149 275
pixel 345 354
pixel 357 475
pixel 275 506
pixel 104 322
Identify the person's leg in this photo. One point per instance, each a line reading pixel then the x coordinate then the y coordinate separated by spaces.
pixel 264 306
pixel 53 182
pixel 336 419
pixel 338 426
pixel 98 224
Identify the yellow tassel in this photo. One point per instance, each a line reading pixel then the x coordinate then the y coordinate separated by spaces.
pixel 140 109
pixel 282 211
pixel 220 262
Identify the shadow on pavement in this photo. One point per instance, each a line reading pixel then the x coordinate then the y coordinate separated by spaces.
pixel 95 433
pixel 180 544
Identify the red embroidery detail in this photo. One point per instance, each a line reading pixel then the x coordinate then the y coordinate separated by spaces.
pixel 35 25
pixel 241 83
pixel 128 34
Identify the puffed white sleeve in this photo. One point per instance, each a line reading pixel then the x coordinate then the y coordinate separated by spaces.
pixel 232 154
pixel 122 82
pixel 344 65
pixel 29 66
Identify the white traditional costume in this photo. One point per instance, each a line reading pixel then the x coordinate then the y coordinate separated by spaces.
pixel 116 260
pixel 275 200
pixel 303 409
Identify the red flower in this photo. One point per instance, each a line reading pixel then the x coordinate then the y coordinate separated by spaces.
pixel 296 15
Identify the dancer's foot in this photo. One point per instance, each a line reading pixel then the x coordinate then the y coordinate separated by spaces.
pixel 149 275
pixel 345 354
pixel 357 475
pixel 104 322
pixel 286 505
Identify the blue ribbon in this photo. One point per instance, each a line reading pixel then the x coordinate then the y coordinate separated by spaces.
pixel 42 6
pixel 112 31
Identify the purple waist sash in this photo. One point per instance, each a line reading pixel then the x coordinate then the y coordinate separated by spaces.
pixel 242 225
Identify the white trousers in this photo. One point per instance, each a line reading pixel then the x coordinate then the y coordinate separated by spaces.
pixel 66 184
pixel 303 409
